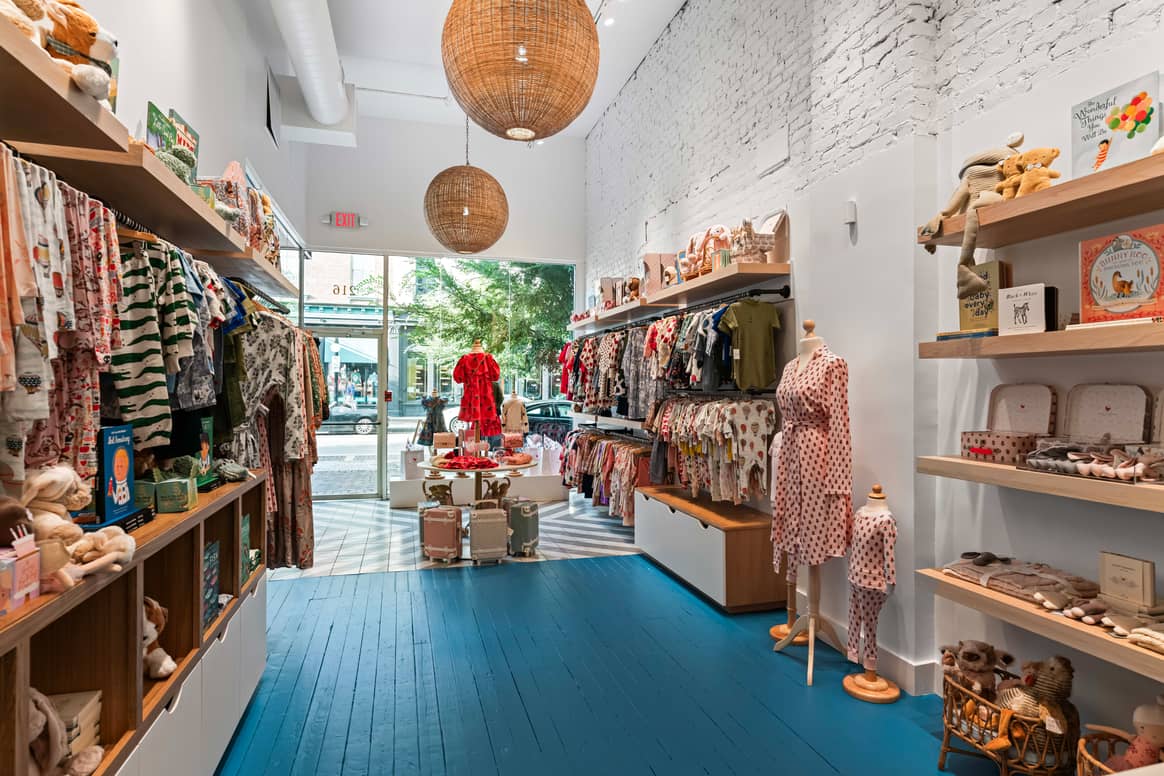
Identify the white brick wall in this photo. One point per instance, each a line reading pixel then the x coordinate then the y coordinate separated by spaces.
pixel 676 150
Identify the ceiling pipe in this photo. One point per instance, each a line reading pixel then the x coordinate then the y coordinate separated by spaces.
pixel 306 29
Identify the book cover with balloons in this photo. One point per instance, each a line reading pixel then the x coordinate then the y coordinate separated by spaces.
pixel 1118 126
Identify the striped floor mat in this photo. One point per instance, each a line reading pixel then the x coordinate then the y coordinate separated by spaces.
pixel 364 537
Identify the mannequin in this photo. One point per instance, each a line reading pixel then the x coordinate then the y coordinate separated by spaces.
pixel 477 347
pixel 813 399
pixel 872 571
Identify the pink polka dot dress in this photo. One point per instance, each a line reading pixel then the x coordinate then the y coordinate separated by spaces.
pixel 813 494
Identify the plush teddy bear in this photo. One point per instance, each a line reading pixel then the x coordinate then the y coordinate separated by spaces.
pixel 633 289
pixel 48 747
pixel 157 662
pixel 977 179
pixel 50 494
pixel 1146 747
pixel 1012 176
pixel 1046 699
pixel 974 666
pixel 1037 172
pixel 71 37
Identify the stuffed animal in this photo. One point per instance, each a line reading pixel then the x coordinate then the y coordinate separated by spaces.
pixel 974 666
pixel 48 746
pixel 158 664
pixel 718 238
pixel 59 573
pixel 633 289
pixel 1146 747
pixel 669 276
pixel 71 37
pixel 50 494
pixel 13 515
pixel 979 176
pixel 1046 699
pixel 1037 172
pixel 1012 176
pixel 110 541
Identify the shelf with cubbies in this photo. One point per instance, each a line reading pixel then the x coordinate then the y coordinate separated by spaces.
pixel 135 183
pixel 43 104
pixel 89 638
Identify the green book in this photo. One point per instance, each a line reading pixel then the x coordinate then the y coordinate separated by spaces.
pixel 980 311
pixel 161 135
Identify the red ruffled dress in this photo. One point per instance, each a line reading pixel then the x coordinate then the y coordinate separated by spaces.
pixel 477 372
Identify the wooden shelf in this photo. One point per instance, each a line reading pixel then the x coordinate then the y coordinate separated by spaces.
pixel 253 268
pixel 1144 496
pixel 42 103
pixel 150 538
pixel 630 311
pixel 721 514
pixel 601 420
pixel 583 324
pixel 1089 639
pixel 137 184
pixel 1132 338
pixel 1130 189
pixel 721 281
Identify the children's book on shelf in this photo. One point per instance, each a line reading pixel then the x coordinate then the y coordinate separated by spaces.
pixel 1115 127
pixel 116 473
pixel 1029 309
pixel 1120 276
pixel 980 311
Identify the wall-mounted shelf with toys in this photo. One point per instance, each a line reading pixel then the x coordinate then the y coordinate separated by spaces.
pixel 1130 338
pixel 43 103
pixel 1130 189
pixel 40 647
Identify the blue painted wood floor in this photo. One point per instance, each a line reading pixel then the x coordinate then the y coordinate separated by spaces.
pixel 599 666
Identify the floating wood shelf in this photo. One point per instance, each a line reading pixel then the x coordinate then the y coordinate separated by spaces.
pixel 137 184
pixel 630 311
pixel 721 281
pixel 723 515
pixel 590 419
pixel 253 268
pixel 42 103
pixel 1089 639
pixel 1144 496
pixel 1130 189
pixel 1132 338
pixel 583 324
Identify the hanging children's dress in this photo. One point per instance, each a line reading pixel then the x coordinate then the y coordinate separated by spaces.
pixel 434 418
pixel 477 372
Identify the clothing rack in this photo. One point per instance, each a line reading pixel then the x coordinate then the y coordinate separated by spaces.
pixel 628 435
pixel 726 392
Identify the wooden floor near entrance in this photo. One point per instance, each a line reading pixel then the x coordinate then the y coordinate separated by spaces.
pixel 595 666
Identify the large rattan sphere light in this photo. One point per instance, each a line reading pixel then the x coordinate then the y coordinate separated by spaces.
pixel 465 207
pixel 522 69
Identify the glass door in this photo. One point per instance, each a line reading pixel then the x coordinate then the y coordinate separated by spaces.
pixel 351 440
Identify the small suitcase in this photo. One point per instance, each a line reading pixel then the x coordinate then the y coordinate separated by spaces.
pixel 523 528
pixel 488 532
pixel 443 532
pixel 421 508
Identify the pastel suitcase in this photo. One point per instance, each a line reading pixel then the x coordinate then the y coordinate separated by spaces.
pixel 523 528
pixel 488 532
pixel 421 508
pixel 443 532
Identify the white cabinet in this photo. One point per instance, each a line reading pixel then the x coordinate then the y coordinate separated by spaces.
pixel 132 765
pixel 692 550
pixel 172 746
pixel 252 618
pixel 221 668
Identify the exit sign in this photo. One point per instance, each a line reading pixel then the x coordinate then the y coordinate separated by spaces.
pixel 342 220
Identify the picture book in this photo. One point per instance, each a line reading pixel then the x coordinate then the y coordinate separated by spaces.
pixel 980 311
pixel 1120 276
pixel 184 135
pixel 116 472
pixel 161 135
pixel 1030 309
pixel 1115 127
pixel 205 468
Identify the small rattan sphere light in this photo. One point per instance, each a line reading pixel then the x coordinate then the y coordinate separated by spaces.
pixel 522 69
pixel 465 207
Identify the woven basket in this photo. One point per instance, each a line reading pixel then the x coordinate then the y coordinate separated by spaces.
pixel 1094 751
pixel 974 720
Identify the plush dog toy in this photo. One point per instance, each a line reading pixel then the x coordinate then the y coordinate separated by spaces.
pixel 71 37
pixel 974 665
pixel 48 746
pixel 50 494
pixel 158 663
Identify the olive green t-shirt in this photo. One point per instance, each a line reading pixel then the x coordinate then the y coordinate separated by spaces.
pixel 752 325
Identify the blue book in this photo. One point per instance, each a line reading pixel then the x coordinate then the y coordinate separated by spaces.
pixel 116 472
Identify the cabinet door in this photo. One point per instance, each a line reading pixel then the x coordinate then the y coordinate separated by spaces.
pixel 253 614
pixel 220 694
pixel 693 551
pixel 173 744
pixel 132 766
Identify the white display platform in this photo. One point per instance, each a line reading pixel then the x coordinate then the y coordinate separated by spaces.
pixel 406 494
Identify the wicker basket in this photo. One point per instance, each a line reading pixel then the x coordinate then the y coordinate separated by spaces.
pixel 1033 751
pixel 1095 749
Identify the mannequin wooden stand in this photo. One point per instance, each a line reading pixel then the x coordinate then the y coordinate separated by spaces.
pixel 810 624
pixel 781 630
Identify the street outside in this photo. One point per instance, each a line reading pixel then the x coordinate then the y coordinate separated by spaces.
pixel 347 461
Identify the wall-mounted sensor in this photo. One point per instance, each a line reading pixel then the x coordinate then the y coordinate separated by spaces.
pixel 851 212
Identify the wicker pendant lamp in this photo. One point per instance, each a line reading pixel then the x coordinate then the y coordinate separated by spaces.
pixel 522 69
pixel 465 207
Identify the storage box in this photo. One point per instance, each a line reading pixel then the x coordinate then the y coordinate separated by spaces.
pixel 144 494
pixel 410 461
pixel 1019 414
pixel 609 293
pixel 176 495
pixel 653 265
pixel 1108 412
pixel 444 440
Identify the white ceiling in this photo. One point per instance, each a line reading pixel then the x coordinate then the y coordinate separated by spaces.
pixel 391 51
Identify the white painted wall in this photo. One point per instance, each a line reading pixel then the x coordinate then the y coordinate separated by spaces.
pixel 200 58
pixel 386 176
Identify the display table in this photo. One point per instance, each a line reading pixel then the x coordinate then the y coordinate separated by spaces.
pixel 475 474
pixel 89 638
pixel 721 550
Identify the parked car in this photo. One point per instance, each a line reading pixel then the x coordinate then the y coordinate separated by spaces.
pixel 346 419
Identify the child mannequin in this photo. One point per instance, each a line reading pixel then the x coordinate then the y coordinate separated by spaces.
pixel 872 570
